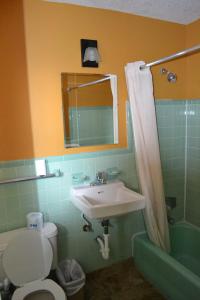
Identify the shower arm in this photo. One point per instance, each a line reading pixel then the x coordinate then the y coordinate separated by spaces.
pixel 170 57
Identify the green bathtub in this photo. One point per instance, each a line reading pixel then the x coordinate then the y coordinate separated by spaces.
pixel 176 275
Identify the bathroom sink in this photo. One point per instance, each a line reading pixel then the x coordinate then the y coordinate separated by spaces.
pixel 106 200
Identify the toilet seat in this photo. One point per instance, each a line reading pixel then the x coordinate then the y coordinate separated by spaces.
pixel 37 286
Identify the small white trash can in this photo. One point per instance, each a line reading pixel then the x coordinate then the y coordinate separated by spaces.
pixel 72 278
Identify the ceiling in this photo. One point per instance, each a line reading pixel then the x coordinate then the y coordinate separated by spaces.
pixel 178 11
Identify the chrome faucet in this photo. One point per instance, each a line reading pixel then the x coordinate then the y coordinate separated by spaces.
pixel 101 178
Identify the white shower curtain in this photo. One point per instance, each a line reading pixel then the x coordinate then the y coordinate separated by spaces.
pixel 140 90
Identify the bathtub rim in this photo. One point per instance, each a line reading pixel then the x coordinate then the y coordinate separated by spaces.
pixel 176 265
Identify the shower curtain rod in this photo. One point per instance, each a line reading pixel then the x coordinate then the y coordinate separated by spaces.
pixel 170 57
pixel 87 84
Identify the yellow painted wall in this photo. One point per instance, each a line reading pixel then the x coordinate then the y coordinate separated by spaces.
pixel 52 37
pixel 93 95
pixel 15 118
pixel 53 33
pixel 193 61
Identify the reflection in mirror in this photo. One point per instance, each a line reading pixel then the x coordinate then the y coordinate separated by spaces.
pixel 89 109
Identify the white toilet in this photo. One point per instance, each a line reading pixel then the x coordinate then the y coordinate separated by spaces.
pixel 27 259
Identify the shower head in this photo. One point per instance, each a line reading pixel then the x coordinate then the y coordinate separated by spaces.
pixel 171 77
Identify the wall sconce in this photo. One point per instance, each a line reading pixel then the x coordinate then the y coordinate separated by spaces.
pixel 89 53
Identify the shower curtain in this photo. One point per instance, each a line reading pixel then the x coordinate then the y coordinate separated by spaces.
pixel 140 91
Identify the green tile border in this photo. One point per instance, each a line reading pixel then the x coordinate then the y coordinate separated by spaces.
pixel 67 157
pixel 163 102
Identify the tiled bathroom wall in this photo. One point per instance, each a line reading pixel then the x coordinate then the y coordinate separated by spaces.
pixel 91 125
pixel 193 162
pixel 171 122
pixel 53 196
pixel 179 134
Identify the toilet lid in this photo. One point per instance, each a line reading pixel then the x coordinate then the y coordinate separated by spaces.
pixel 27 258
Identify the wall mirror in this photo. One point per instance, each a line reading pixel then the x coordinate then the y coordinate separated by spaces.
pixel 90 112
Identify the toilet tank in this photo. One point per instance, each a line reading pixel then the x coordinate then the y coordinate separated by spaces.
pixel 49 231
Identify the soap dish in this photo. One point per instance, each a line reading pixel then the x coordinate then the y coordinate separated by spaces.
pixel 113 171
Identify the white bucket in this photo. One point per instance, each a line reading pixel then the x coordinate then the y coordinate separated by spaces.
pixel 35 220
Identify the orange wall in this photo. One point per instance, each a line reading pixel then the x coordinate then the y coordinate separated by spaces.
pixel 15 119
pixel 93 95
pixel 53 33
pixel 193 61
pixel 52 37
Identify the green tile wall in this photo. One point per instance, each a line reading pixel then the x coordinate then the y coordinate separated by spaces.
pixel 171 122
pixel 91 125
pixel 53 196
pixel 179 133
pixel 193 162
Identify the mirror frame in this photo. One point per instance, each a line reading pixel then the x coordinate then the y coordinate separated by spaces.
pixel 114 90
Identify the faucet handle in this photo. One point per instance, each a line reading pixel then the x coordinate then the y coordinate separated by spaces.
pixel 101 177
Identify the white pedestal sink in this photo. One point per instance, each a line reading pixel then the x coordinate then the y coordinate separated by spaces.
pixel 106 200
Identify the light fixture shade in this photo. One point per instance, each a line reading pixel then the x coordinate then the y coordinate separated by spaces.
pixel 91 54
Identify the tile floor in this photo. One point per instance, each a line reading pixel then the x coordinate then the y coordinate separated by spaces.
pixel 121 281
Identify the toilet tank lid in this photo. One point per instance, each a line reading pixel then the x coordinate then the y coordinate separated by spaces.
pixel 49 230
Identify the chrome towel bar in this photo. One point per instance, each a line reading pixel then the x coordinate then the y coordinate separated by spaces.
pixel 28 178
